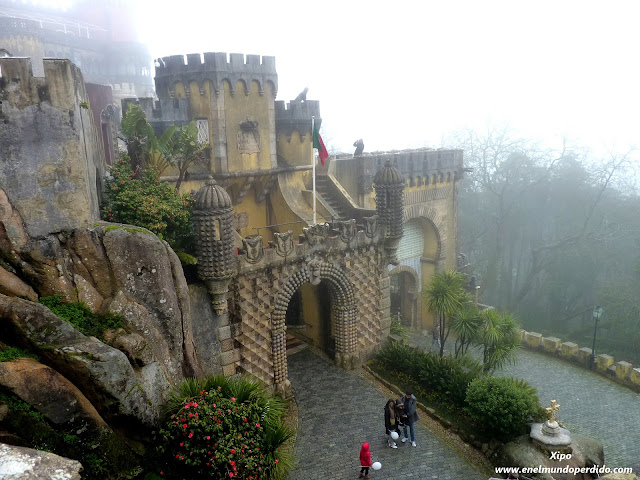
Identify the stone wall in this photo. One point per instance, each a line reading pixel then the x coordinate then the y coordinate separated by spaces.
pixel 51 158
pixel 621 372
pixel 354 267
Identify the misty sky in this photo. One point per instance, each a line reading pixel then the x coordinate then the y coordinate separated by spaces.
pixel 406 74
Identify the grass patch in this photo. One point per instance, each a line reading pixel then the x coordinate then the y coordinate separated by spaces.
pixel 9 354
pixel 81 317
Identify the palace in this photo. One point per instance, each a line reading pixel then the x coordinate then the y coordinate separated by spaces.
pixel 386 222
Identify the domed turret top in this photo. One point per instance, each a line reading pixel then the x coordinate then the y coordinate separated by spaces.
pixel 212 197
pixel 388 175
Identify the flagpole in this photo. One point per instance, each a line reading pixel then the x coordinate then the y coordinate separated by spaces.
pixel 313 163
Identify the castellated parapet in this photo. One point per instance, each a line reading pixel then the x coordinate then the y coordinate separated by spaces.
pixel 296 116
pixel 161 114
pixel 51 159
pixel 214 67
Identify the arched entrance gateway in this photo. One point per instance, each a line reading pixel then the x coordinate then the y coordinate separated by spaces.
pixel 252 290
pixel 341 341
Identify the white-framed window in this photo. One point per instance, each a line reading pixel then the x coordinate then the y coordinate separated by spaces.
pixel 203 131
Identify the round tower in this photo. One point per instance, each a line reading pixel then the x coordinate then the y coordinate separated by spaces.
pixel 213 226
pixel 389 185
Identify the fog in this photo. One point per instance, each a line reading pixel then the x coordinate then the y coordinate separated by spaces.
pixel 543 97
pixel 406 74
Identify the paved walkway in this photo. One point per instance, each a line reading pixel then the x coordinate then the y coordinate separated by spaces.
pixel 338 411
pixel 590 404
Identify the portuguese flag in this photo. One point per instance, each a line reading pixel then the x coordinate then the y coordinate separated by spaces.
pixel 319 144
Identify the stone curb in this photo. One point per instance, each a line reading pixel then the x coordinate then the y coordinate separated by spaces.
pixel 620 372
pixel 487 449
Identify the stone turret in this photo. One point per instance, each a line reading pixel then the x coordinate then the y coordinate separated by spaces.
pixel 213 222
pixel 389 184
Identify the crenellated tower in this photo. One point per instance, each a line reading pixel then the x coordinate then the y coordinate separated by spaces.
pixel 232 101
pixel 293 130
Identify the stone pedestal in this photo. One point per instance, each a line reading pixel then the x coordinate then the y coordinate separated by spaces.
pixel 550 436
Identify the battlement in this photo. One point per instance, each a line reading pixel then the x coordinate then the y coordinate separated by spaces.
pixel 216 62
pixel 296 116
pixel 214 67
pixel 297 110
pixel 412 161
pixel 418 167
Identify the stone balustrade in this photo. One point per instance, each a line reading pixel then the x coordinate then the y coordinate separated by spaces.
pixel 621 371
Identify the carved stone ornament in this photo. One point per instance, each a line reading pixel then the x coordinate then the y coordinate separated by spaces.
pixel 347 230
pixel 371 226
pixel 314 266
pixel 248 137
pixel 254 248
pixel 316 234
pixel 284 243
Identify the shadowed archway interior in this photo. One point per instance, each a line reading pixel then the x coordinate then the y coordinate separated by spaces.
pixel 343 311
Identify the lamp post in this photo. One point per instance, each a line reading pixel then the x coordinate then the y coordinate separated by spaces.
pixel 597 313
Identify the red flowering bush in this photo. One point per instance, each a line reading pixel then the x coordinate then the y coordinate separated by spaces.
pixel 140 198
pixel 216 437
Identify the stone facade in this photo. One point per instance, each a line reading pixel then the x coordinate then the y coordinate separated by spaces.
pixel 51 159
pixel 429 214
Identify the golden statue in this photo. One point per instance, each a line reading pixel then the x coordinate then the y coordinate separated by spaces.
pixel 552 411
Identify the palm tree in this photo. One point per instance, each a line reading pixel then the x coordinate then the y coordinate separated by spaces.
pixel 466 325
pixel 445 296
pixel 498 339
pixel 177 146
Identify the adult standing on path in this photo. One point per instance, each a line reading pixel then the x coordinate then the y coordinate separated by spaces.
pixel 390 422
pixel 410 417
pixel 329 437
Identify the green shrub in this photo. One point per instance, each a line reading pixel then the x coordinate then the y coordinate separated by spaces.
pixel 502 406
pixel 398 329
pixel 447 376
pixel 81 316
pixel 13 353
pixel 216 434
pixel 140 198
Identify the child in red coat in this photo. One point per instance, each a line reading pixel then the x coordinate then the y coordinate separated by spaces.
pixel 365 460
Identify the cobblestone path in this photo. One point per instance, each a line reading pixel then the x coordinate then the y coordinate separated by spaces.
pixel 338 411
pixel 590 404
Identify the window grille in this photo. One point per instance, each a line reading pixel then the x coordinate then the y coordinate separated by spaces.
pixel 203 131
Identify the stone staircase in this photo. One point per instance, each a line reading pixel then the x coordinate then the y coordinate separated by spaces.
pixel 323 189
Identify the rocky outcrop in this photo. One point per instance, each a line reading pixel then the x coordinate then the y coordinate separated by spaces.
pixel 152 297
pixel 13 286
pixel 101 372
pixel 19 463
pixel 119 269
pixel 51 394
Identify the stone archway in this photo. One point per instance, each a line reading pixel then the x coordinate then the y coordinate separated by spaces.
pixel 408 297
pixel 343 308
pixel 424 212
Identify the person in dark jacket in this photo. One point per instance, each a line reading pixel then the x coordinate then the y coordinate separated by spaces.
pixel 409 417
pixel 390 421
